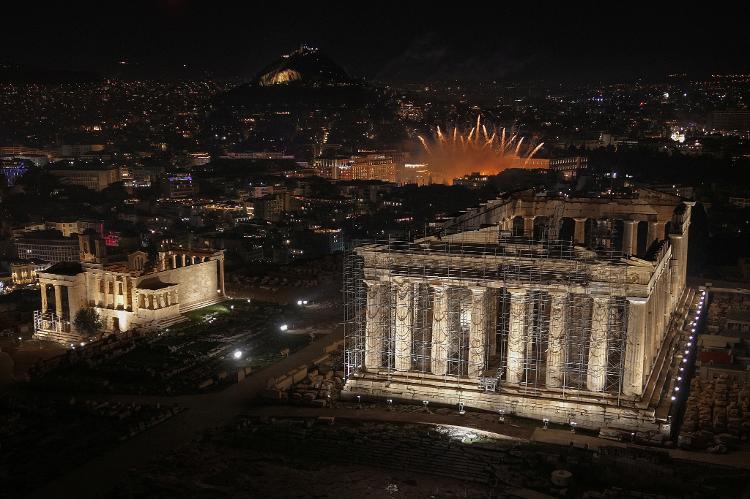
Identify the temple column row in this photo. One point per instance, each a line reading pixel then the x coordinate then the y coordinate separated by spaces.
pixel 629 234
pixel 377 325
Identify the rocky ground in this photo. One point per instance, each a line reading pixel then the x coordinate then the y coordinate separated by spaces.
pixel 309 458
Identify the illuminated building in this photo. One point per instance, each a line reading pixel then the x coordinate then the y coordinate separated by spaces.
pixel 180 185
pixel 126 294
pixel 337 167
pixel 48 246
pixel 96 178
pixel 13 169
pixel 25 271
pixel 569 167
pixel 503 312
pixel 377 165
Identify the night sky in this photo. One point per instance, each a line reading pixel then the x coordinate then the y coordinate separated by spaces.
pixel 388 41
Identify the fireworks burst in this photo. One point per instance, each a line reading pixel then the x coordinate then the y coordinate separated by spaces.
pixel 456 154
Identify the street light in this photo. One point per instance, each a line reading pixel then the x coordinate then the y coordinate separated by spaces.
pixel 283 327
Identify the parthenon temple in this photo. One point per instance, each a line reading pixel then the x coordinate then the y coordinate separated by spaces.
pixel 548 307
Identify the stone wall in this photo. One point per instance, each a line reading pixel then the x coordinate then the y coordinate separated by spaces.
pixel 198 282
pixel 586 414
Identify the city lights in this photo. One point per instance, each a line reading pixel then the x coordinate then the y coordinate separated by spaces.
pixel 507 219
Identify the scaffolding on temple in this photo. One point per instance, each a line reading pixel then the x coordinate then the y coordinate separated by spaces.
pixel 413 322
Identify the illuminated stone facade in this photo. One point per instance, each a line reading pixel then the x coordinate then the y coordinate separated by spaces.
pixel 128 294
pixel 578 328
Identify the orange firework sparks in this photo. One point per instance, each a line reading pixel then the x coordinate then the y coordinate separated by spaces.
pixel 457 154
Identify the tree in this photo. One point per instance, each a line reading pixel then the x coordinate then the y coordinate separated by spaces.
pixel 87 321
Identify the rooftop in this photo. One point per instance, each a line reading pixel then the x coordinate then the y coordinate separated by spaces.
pixel 65 268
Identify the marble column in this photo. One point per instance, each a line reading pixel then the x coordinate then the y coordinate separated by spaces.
pixel 629 237
pixel 516 336
pixel 58 301
pixel 556 340
pixel 477 332
pixel 184 260
pixel 528 226
pixel 439 355
pixel 579 234
pixel 655 233
pixel 635 347
pixel 174 261
pixel 678 257
pixel 43 289
pixel 404 292
pixel 597 362
pixel 374 325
